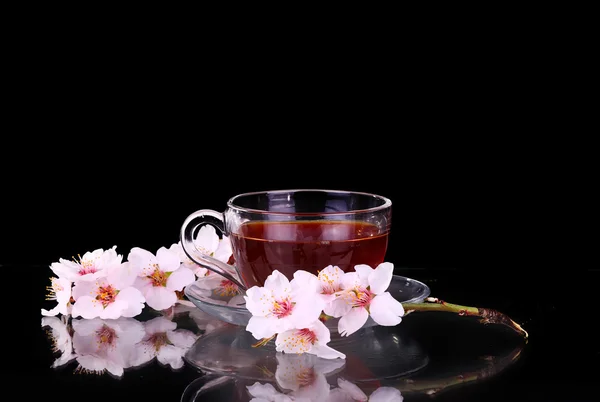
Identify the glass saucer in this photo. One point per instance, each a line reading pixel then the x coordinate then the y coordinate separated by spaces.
pixel 372 354
pixel 233 310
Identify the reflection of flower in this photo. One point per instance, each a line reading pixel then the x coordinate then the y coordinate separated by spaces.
pixel 60 338
pixel 160 276
pixel 205 322
pixel 221 286
pixel 164 342
pixel 349 392
pixel 305 374
pixel 302 378
pixel 112 345
pixel 106 345
pixel 109 297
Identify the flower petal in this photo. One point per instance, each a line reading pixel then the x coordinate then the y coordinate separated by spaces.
pixel 386 394
pixel 338 307
pixel 129 330
pixel 207 240
pixel 224 251
pixel 306 311
pixel 259 301
pixel 180 278
pixel 158 325
pixel 114 368
pixel 317 390
pixel 87 307
pixel 64 358
pixel 330 279
pixel 171 356
pixel 278 284
pixel 353 321
pixel 113 310
pixel 380 278
pixel 85 288
pixel 65 269
pixel 199 271
pixel 352 390
pixel 53 312
pixel 182 338
pixel 134 301
pixel 122 275
pixel 160 298
pixel 143 260
pixel 304 283
pixel 321 332
pixel 109 258
pixel 326 352
pixel 63 296
pixel 385 310
pixel 265 391
pixel 87 327
pixel 209 282
pixel 262 327
pixel 98 365
pixel 363 271
pixel 292 341
pixel 168 260
pixel 326 366
pixel 353 280
pixel 142 353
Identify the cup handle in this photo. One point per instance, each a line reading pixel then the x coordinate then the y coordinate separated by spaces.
pixel 194 221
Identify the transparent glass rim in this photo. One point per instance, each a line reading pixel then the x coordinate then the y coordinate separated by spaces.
pixel 385 202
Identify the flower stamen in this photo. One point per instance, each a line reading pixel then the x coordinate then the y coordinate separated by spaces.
pixel 360 297
pixel 308 335
pixel 158 277
pixel 282 308
pixel 106 337
pixel 301 341
pixel 227 288
pixel 106 295
pixel 306 377
pixel 53 289
pixel 158 340
pixel 329 283
pixel 86 266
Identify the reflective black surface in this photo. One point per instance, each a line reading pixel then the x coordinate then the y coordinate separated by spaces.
pixel 467 361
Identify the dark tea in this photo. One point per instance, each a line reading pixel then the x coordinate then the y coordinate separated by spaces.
pixel 260 247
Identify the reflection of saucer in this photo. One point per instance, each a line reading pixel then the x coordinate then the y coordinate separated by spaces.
pixel 371 354
pixel 233 311
pixel 443 361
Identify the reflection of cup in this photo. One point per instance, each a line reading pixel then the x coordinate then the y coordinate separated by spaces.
pixel 290 230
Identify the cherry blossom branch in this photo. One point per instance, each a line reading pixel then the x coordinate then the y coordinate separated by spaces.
pixel 487 316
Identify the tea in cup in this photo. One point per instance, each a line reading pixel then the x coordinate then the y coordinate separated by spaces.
pixel 291 230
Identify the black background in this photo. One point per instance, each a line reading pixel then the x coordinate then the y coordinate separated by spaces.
pixel 457 141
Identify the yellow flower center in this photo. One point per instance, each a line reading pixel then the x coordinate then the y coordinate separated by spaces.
pixel 106 295
pixel 106 336
pixel 158 277
pixel 158 340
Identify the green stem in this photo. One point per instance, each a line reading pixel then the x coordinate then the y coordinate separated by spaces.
pixel 487 316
